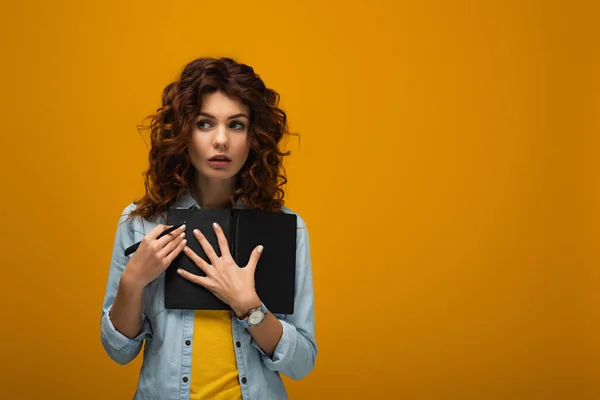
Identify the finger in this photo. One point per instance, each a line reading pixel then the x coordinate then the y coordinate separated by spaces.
pixel 206 246
pixel 223 245
pixel 200 280
pixel 171 236
pixel 173 254
pixel 170 246
pixel 254 257
pixel 153 234
pixel 200 263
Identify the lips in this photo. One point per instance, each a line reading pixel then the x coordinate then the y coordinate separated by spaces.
pixel 219 157
pixel 219 161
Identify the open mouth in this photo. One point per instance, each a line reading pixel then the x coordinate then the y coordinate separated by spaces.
pixel 220 158
pixel 219 161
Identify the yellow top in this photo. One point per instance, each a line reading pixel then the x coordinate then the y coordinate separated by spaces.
pixel 214 368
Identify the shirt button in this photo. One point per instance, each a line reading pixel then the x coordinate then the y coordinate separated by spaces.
pixel 187 342
pixel 244 380
pixel 185 379
pixel 238 344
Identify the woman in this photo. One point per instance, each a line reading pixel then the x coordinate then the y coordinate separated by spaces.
pixel 214 144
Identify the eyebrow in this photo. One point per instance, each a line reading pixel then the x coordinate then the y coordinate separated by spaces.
pixel 207 115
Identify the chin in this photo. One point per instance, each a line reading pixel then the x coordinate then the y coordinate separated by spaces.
pixel 219 175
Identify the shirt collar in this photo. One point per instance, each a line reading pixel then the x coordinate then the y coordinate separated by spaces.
pixel 188 202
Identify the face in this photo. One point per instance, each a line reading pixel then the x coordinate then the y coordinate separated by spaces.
pixel 219 146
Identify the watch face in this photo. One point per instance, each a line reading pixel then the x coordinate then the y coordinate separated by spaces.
pixel 256 317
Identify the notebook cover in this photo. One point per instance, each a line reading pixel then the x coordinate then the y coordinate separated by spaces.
pixel 179 292
pixel 276 269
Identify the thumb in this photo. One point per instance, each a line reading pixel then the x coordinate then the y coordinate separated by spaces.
pixel 254 257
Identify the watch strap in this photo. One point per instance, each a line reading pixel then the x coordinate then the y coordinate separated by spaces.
pixel 244 321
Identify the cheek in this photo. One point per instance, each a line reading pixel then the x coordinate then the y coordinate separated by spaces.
pixel 245 150
pixel 196 148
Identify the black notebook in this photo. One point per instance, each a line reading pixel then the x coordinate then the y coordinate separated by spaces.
pixel 245 230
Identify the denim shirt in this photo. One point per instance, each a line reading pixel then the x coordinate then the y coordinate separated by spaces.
pixel 166 369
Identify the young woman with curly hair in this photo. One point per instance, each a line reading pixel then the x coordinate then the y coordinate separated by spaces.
pixel 214 144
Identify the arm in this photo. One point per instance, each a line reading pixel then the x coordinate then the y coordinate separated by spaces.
pixel 124 325
pixel 122 305
pixel 295 350
pixel 268 333
pixel 127 307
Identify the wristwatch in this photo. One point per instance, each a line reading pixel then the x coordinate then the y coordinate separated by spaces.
pixel 254 317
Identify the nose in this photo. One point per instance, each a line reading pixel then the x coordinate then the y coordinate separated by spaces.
pixel 220 138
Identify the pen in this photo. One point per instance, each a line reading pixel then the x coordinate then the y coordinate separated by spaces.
pixel 133 248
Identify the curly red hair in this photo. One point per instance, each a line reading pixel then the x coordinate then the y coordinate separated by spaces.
pixel 259 182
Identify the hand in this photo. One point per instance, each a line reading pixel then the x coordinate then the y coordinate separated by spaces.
pixel 224 278
pixel 154 255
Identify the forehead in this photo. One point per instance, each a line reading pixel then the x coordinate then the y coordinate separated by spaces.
pixel 221 105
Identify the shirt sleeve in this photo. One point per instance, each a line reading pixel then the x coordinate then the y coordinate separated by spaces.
pixel 295 354
pixel 119 347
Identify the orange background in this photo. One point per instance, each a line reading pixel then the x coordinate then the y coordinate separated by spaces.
pixel 448 171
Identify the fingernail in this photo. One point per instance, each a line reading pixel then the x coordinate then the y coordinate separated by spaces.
pixel 182 234
pixel 180 271
pixel 215 225
pixel 196 232
pixel 185 242
pixel 260 248
pixel 183 227
pixel 185 248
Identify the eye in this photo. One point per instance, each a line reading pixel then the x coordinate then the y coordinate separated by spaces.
pixel 204 124
pixel 236 125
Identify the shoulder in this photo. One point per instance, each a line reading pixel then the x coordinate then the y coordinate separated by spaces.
pixel 129 209
pixel 125 214
pixel 125 224
pixel 301 224
pixel 137 223
pixel 302 241
pixel 131 223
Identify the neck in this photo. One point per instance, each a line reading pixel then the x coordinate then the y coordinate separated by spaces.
pixel 213 194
